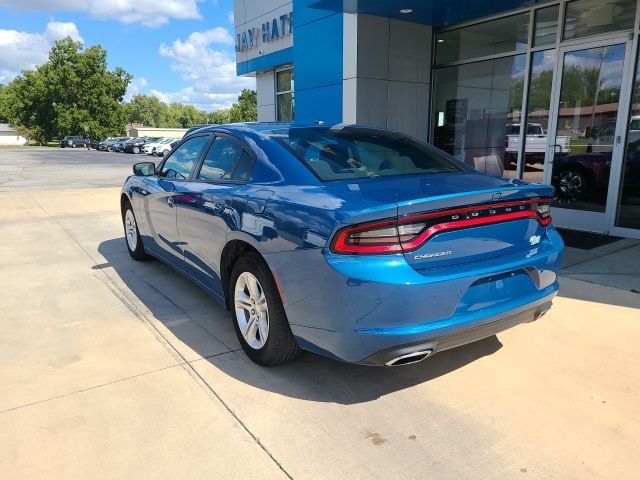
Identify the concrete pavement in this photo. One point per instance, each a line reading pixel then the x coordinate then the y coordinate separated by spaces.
pixel 117 369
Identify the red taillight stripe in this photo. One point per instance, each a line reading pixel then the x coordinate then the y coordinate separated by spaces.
pixel 465 223
pixel 340 245
pixel 473 208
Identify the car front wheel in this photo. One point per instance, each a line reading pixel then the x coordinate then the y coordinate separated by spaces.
pixel 572 185
pixel 132 235
pixel 258 315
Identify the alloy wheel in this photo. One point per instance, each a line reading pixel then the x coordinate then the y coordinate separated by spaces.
pixel 571 185
pixel 251 311
pixel 131 230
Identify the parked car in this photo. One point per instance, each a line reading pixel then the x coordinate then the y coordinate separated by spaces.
pixel 119 144
pixel 150 148
pixel 136 145
pixel 603 138
pixel 356 243
pixel 107 145
pixel 102 145
pixel 586 176
pixel 535 146
pixel 162 150
pixel 72 141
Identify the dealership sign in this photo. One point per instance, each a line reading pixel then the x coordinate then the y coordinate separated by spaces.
pixel 279 27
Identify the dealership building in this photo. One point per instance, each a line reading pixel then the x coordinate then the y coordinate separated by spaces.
pixel 546 91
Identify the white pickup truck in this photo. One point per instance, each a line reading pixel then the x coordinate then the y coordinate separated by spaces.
pixel 605 137
pixel 535 145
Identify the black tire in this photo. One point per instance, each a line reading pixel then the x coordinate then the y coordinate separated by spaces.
pixel 73 145
pixel 572 185
pixel 109 148
pixel 136 150
pixel 280 346
pixel 137 252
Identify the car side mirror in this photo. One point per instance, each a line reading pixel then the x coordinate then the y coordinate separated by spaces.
pixel 144 169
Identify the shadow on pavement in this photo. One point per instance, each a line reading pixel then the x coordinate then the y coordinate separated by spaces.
pixel 180 305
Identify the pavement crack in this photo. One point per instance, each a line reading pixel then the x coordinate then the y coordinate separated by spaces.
pixel 87 389
pixel 182 361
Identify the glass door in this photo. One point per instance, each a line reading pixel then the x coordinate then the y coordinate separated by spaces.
pixel 627 197
pixel 586 131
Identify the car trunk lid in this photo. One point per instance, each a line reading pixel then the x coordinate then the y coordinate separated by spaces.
pixel 461 217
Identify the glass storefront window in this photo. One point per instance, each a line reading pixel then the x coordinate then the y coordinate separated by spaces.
pixel 478 108
pixel 539 102
pixel 503 35
pixel 284 95
pixel 586 126
pixel 592 17
pixel 628 213
pixel 545 31
pixel 284 80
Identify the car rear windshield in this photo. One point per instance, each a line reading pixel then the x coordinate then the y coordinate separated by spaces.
pixel 343 154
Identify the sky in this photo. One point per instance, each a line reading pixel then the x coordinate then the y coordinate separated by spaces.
pixel 177 50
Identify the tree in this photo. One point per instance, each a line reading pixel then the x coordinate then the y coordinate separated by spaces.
pixel 186 116
pixel 152 112
pixel 219 116
pixel 74 93
pixel 148 110
pixel 5 101
pixel 246 109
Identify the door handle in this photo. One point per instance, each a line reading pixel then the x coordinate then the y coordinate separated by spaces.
pixel 171 201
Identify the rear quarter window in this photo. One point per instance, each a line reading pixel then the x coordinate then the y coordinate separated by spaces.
pixel 359 153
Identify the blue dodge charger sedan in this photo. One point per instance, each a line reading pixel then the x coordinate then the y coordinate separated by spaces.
pixel 360 244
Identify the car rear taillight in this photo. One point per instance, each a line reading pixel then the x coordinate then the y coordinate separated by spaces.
pixel 408 233
pixel 544 213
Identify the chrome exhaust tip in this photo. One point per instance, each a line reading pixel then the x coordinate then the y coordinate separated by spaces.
pixel 409 358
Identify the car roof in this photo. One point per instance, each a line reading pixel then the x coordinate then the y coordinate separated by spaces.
pixel 267 128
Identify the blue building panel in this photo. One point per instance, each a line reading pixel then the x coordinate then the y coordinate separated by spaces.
pixel 318 63
pixel 319 103
pixel 437 13
pixel 307 11
pixel 266 62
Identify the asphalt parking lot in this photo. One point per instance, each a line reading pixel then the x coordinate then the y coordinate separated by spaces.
pixel 116 369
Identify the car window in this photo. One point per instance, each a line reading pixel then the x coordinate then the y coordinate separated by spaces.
pixel 343 154
pixel 180 163
pixel 608 130
pixel 243 167
pixel 220 160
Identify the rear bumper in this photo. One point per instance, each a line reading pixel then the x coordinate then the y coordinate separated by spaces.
pixel 439 344
pixel 365 310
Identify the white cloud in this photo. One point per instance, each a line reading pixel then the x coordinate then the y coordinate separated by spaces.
pixel 58 30
pixel 205 60
pixel 147 12
pixel 25 51
pixel 231 18
pixel 136 86
pixel 201 100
